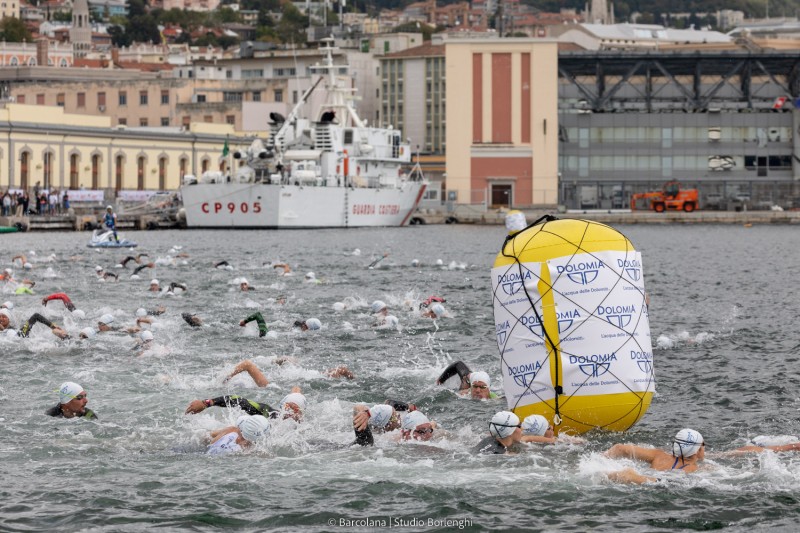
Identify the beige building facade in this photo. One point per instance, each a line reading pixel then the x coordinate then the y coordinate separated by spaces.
pixel 502 122
pixel 66 151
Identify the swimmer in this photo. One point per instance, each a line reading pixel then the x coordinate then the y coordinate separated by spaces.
pixel 154 286
pixel 142 267
pixel 309 324
pixel 160 310
pixel 688 450
pixel 244 286
pixel 291 406
pixel 105 321
pixel 137 260
pixel 390 416
pixel 7 275
pixel 536 429
pixel 22 259
pixel 72 403
pixel 437 310
pixel 280 300
pixel 37 318
pixel 505 432
pixel 378 260
pixel 193 320
pixel 262 325
pixel 379 307
pixel 475 384
pixel 59 296
pixel 261 380
pixel 310 277
pixel 107 275
pixel 173 286
pixel 431 300
pixel 223 264
pixel 144 342
pixel 25 287
pixel 5 319
pixel 283 267
pixel 248 431
pixel 248 406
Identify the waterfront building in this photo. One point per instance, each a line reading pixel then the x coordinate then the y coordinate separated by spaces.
pixel 74 151
pixel 502 122
pixel 722 121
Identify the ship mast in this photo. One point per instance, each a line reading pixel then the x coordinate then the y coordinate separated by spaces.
pixel 339 98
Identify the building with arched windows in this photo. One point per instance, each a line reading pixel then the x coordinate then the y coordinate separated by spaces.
pixel 45 145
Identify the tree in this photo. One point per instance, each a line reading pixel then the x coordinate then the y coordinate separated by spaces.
pixel 292 26
pixel 119 37
pixel 13 30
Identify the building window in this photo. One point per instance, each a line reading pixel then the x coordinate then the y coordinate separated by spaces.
pixel 142 97
pixel 201 98
pixel 277 72
pixel 165 121
pixel 73 171
pixel 143 122
pixel 21 99
pixel 230 119
pixel 118 172
pixel 231 97
pixel 60 99
pixel 39 99
pixel 256 96
pixel 81 99
pixel 164 97
pixel 279 95
pixel 208 119
pixel 162 173
pixel 123 98
pixel 294 97
pixel 123 122
pixel 186 121
pixel 229 74
pixel 101 99
pixel 140 173
pixel 95 171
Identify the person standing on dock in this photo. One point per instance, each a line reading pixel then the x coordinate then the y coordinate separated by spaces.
pixel 110 220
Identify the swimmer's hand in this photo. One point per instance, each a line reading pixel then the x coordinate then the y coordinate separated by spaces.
pixel 60 333
pixel 242 323
pixel 361 420
pixel 195 407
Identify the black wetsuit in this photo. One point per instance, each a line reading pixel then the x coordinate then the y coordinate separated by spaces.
pixel 56 411
pixel 221 264
pixel 490 445
pixel 173 286
pixel 262 326
pixel 189 318
pixel 125 261
pixel 248 406
pixel 140 268
pixel 456 368
pixel 35 317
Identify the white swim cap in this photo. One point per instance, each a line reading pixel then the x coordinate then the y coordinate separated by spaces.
pixel 377 306
pixel 310 275
pixel 503 424
pixel 5 313
pixel 380 414
pixel 107 319
pixel 153 282
pixel 254 427
pixel 475 377
pixel 141 312
pixel 515 221
pixel 146 335
pixel 535 425
pixel 438 310
pixel 27 266
pixel 98 268
pixel 79 314
pixel 439 262
pixel 243 280
pixel 296 398
pixel 412 419
pixel 415 262
pixel 313 323
pixel 338 306
pixel 109 207
pixel 88 332
pixel 687 443
pixel 391 320
pixel 67 391
pixel 8 305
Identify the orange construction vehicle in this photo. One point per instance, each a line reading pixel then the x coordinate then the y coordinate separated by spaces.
pixel 671 197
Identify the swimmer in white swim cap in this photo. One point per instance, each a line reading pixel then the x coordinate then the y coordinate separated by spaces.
pixel 71 402
pixel 504 432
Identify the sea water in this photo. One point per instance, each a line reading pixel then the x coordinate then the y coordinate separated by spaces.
pixel 722 313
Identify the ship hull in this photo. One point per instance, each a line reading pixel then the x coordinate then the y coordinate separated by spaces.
pixel 248 205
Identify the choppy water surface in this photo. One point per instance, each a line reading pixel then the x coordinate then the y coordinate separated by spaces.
pixel 723 307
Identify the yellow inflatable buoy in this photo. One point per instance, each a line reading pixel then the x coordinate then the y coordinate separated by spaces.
pixel 572 326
